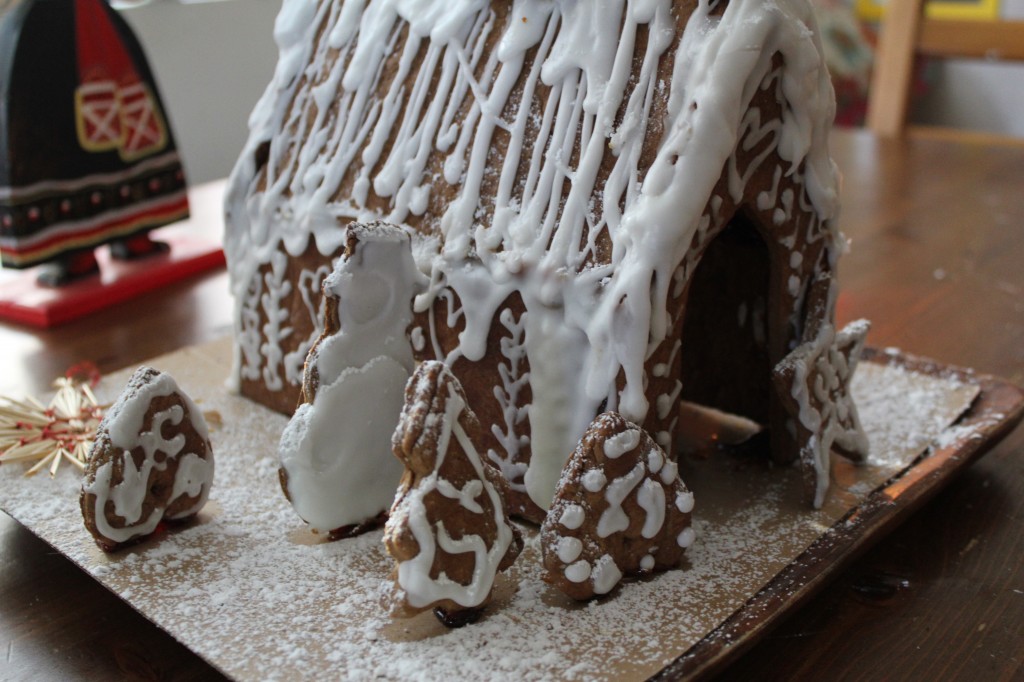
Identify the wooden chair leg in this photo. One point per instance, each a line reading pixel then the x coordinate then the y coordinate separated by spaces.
pixel 894 68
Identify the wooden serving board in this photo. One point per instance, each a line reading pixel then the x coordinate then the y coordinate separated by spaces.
pixel 253 592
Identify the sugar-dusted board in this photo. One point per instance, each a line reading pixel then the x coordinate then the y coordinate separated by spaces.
pixel 249 589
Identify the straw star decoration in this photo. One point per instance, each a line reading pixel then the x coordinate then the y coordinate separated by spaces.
pixel 55 433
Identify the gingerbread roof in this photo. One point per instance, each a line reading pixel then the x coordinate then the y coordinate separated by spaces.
pixel 563 151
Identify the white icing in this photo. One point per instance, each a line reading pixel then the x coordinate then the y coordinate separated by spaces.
pixel 336 451
pixel 684 502
pixel 686 537
pixel 572 516
pixel 578 572
pixel 621 443
pixel 829 414
pixel 568 549
pixel 647 562
pixel 669 472
pixel 614 518
pixel 655 460
pixel 588 325
pixel 651 498
pixel 374 287
pixel 466 495
pixel 605 575
pixel 514 414
pixel 193 479
pixel 414 576
pixel 594 480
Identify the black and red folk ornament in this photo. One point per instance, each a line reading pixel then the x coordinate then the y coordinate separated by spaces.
pixel 86 153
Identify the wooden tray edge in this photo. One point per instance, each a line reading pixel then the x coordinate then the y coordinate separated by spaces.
pixel 993 415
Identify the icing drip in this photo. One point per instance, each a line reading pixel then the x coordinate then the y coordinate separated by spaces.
pixel 530 218
pixel 569 549
pixel 651 498
pixel 614 518
pixel 339 472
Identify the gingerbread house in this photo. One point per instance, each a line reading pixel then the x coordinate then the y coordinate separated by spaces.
pixel 610 205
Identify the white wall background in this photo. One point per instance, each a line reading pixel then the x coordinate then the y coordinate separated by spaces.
pixel 212 61
pixel 976 95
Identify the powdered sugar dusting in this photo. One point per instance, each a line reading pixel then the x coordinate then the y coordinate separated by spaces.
pixel 252 591
pixel 922 406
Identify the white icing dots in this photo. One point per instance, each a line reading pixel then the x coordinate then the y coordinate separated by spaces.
pixel 669 472
pixel 621 443
pixel 568 549
pixel 594 480
pixel 572 516
pixel 606 575
pixel 684 502
pixel 686 538
pixel 647 562
pixel 655 460
pixel 578 572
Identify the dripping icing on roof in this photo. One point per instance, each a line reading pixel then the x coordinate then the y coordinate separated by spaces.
pixel 368 96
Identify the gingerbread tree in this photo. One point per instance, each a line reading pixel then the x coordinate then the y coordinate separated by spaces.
pixel 448 529
pixel 620 509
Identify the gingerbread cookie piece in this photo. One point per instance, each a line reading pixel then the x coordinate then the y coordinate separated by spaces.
pixel 813 383
pixel 336 465
pixel 620 509
pixel 151 461
pixel 448 529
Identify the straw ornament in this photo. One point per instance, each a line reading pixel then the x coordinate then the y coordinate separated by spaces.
pixel 51 434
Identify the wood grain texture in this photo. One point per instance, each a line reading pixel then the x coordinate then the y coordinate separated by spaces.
pixel 937 262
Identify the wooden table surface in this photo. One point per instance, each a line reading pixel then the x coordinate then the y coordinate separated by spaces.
pixel 936 262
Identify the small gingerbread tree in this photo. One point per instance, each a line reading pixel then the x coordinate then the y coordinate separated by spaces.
pixel 448 529
pixel 620 509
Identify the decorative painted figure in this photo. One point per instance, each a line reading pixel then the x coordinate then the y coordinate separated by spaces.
pixel 86 155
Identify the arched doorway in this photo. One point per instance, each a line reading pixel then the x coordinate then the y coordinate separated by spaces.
pixel 725 360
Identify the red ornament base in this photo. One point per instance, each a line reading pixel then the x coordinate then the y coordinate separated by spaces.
pixel 25 301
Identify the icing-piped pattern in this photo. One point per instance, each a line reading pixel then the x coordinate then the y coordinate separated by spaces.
pixel 151 461
pixel 448 528
pixel 816 378
pixel 577 158
pixel 637 520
